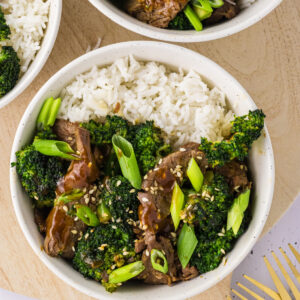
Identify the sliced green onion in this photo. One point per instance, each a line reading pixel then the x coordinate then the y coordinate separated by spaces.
pixel 195 175
pixel 103 213
pixel 53 112
pixel 44 112
pixel 186 244
pixel 193 18
pixel 127 272
pixel 204 4
pixel 67 197
pixel 55 148
pixel 177 203
pixel 127 160
pixel 216 3
pixel 236 212
pixel 86 215
pixel 159 261
pixel 48 113
pixel 201 13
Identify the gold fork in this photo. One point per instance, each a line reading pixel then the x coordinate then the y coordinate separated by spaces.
pixel 281 293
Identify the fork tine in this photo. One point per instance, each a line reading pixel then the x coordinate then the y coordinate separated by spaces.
pixel 295 252
pixel 238 294
pixel 292 267
pixel 287 277
pixel 264 288
pixel 281 289
pixel 254 295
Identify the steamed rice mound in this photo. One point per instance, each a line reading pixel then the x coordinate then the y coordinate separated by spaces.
pixel 179 103
pixel 27 20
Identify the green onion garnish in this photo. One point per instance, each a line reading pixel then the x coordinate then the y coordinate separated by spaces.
pixel 127 160
pixel 48 113
pixel 55 148
pixel 216 3
pixel 127 272
pixel 159 261
pixel 67 197
pixel 86 215
pixel 177 203
pixel 236 212
pixel 195 175
pixel 193 18
pixel 186 244
pixel 103 213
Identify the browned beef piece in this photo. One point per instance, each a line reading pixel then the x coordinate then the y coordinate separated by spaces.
pixel 228 11
pixel 236 174
pixel 150 275
pixel 188 273
pixel 62 231
pixel 158 185
pixel 81 172
pixel 40 216
pixel 157 13
pixel 65 131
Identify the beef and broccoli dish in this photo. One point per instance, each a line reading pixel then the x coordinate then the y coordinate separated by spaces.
pixel 180 14
pixel 119 203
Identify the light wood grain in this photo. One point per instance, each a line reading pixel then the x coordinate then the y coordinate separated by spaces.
pixel 264 58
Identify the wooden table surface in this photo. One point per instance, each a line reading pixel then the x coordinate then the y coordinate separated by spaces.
pixel 264 58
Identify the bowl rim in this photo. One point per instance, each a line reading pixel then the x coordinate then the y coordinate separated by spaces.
pixel 16 146
pixel 41 56
pixel 130 23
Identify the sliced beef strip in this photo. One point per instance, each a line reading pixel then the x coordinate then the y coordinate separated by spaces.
pixel 228 11
pixel 62 231
pixel 66 131
pixel 157 13
pixel 150 275
pixel 236 174
pixel 81 172
pixel 158 185
pixel 40 216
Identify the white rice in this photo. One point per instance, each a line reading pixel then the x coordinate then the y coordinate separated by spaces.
pixel 27 20
pixel 179 103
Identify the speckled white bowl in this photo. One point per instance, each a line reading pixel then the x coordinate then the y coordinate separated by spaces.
pixel 41 56
pixel 261 165
pixel 243 20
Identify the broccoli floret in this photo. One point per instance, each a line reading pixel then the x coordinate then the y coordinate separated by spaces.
pixel 209 252
pixel 208 210
pixel 148 145
pixel 121 199
pixel 9 69
pixel 106 247
pixel 245 130
pixel 102 133
pixel 39 174
pixel 146 139
pixel 4 28
pixel 180 22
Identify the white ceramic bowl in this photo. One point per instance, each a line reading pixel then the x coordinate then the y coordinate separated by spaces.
pixel 243 20
pixel 261 165
pixel 41 56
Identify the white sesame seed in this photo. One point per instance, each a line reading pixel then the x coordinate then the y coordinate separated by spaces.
pixel 223 230
pixel 160 161
pixel 86 236
pixel 156 169
pixel 118 183
pixel 73 248
pixel 125 253
pixel 132 191
pixel 114 227
pixel 146 176
pixel 87 200
pixel 220 234
pixel 147 252
pixel 223 251
pixel 69 138
pixel 76 219
pixel 178 174
pixel 199 157
pixel 182 149
pixel 144 199
pixel 113 267
pixel 65 208
pixel 131 211
pixel 74 231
